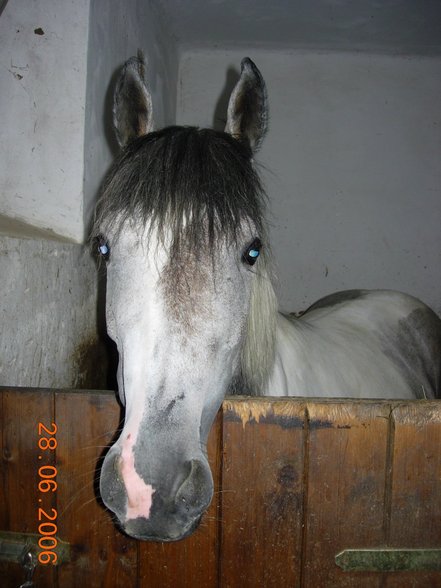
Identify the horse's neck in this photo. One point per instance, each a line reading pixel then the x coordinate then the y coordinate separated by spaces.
pixel 325 357
pixel 309 360
pixel 326 352
pixel 286 375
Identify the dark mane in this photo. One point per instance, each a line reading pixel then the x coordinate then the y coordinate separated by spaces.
pixel 197 183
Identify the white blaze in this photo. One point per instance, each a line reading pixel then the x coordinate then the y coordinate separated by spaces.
pixel 139 494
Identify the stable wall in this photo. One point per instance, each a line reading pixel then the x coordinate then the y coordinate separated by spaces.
pixel 43 81
pixel 49 332
pixel 350 162
pixel 60 60
pixel 117 30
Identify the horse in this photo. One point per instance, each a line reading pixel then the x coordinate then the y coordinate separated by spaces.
pixel 190 305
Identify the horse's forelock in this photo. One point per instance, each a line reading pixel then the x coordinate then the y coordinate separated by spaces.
pixel 181 180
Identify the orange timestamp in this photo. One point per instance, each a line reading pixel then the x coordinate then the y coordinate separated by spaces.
pixel 47 474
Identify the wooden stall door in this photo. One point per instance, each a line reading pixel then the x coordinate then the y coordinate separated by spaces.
pixel 296 482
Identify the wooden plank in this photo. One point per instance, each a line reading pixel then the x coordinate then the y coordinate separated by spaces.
pixel 102 557
pixel 4 499
pixel 354 477
pixel 21 412
pixel 262 485
pixel 347 456
pixel 415 503
pixel 193 561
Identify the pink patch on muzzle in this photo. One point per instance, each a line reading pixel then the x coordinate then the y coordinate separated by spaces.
pixel 139 494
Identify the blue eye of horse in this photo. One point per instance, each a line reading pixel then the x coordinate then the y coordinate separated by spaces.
pixel 252 252
pixel 103 248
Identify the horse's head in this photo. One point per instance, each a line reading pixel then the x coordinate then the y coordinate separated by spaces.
pixel 180 225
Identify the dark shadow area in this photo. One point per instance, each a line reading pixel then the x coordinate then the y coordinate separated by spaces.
pixel 111 349
pixel 111 352
pixel 106 372
pixel 2 5
pixel 95 358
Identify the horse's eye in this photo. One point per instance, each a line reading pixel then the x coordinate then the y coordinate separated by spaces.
pixel 103 247
pixel 252 252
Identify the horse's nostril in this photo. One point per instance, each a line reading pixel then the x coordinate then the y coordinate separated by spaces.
pixel 196 491
pixel 111 487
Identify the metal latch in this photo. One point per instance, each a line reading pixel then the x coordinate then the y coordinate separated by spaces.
pixel 29 563
pixel 389 560
pixel 13 546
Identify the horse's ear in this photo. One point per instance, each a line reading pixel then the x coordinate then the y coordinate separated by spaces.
pixel 247 117
pixel 132 102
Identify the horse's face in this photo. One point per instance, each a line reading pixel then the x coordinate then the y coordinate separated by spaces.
pixel 178 296
pixel 179 333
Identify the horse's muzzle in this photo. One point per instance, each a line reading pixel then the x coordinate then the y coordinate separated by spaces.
pixel 175 511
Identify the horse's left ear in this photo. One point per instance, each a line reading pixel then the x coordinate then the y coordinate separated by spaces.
pixel 247 117
pixel 132 102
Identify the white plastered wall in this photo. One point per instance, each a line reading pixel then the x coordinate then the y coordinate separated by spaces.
pixel 43 82
pixel 118 29
pixel 58 60
pixel 351 165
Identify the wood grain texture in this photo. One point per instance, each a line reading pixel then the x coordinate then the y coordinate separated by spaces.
pixel 296 482
pixel 415 509
pixel 262 489
pixel 101 555
pixel 22 410
pixel 346 453
pixel 193 561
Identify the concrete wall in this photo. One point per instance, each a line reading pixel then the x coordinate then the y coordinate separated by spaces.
pixel 58 60
pixel 351 164
pixel 352 156
pixel 43 82
pixel 117 30
pixel 48 313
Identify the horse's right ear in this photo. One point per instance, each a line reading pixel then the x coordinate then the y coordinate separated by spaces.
pixel 132 103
